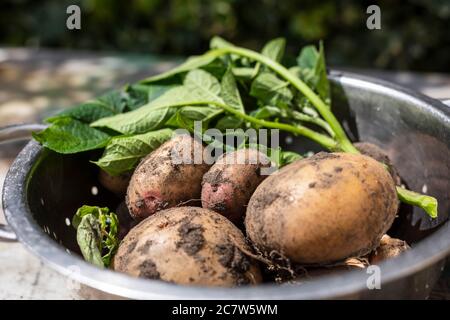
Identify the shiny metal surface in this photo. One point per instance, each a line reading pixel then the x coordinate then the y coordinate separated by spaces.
pixel 43 189
pixel 10 134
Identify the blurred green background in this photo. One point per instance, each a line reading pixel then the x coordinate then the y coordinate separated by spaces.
pixel 415 34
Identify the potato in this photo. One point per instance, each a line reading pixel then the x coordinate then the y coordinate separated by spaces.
pixel 323 209
pixel 187 245
pixel 161 181
pixel 388 248
pixel 229 184
pixel 374 151
pixel 116 184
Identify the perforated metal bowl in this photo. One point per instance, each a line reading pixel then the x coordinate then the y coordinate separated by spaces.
pixel 43 189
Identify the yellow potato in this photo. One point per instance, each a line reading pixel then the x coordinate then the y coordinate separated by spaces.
pixel 188 245
pixel 323 209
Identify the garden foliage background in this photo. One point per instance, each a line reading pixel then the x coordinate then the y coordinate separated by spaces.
pixel 415 34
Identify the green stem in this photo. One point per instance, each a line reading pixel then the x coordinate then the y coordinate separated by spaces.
pixel 427 203
pixel 324 110
pixel 314 120
pixel 322 139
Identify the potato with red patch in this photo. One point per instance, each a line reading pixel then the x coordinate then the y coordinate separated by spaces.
pixel 167 177
pixel 229 184
pixel 190 246
pixel 323 209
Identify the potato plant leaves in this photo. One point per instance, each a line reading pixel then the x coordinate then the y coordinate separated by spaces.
pixel 214 88
pixel 123 153
pixel 67 135
pixel 97 234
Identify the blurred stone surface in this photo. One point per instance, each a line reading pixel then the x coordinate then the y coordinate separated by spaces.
pixel 37 83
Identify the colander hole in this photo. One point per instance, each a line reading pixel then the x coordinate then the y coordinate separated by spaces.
pixel 67 221
pixel 94 190
pixel 424 188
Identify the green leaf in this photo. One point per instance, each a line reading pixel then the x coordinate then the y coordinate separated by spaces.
pixel 313 70
pixel 85 210
pixel 97 234
pixel 154 91
pixel 219 43
pixel 199 113
pixel 198 85
pixel 140 94
pixel 115 100
pixel 266 112
pixel 274 49
pixel 217 67
pixel 230 93
pixel 107 105
pixel 67 136
pixel 113 103
pixel 228 122
pixel 88 238
pixel 186 117
pixel 270 90
pixel 191 63
pixel 137 96
pixel 308 58
pixel 203 85
pixel 149 117
pixel 123 153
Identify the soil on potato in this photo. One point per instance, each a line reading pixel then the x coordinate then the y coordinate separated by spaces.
pixel 191 236
pixel 235 261
pixel 147 269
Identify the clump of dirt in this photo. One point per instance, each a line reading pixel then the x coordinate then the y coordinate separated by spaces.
pixel 191 237
pixel 235 261
pixel 147 269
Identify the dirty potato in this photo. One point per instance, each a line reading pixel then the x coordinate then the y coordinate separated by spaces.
pixel 188 245
pixel 167 177
pixel 323 209
pixel 229 184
